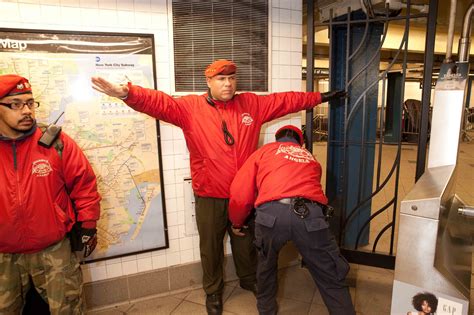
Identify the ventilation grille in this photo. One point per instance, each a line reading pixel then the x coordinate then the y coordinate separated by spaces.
pixel 208 30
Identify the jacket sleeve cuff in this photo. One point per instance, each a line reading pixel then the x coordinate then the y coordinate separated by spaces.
pixel 319 98
pixel 89 224
pixel 123 98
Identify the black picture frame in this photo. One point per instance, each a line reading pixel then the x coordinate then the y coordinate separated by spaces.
pixel 24 45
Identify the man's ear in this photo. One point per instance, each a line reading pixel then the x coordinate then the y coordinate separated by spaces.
pixel 208 81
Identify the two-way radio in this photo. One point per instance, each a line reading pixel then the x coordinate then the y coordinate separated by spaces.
pixel 50 134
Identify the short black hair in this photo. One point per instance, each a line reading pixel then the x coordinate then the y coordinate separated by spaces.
pixel 288 133
pixel 430 298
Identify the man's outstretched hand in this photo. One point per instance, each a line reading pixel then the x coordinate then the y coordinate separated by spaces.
pixel 332 95
pixel 109 88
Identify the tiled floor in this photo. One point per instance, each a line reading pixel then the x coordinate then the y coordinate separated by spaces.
pixel 371 288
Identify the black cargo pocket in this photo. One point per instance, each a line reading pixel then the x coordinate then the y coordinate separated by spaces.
pixel 265 219
pixel 259 246
pixel 342 266
pixel 315 224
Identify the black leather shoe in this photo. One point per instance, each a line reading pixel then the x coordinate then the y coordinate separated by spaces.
pixel 214 304
pixel 250 287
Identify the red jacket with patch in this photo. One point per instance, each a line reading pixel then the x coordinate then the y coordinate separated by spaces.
pixel 213 162
pixel 275 171
pixel 38 191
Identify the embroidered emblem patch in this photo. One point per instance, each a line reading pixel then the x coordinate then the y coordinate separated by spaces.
pixel 295 153
pixel 41 168
pixel 22 86
pixel 247 119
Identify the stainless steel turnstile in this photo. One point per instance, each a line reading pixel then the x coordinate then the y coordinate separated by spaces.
pixel 434 252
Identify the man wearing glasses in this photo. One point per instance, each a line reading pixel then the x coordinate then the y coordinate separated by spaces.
pixel 44 192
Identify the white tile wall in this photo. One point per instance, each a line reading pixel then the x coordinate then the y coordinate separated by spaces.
pixel 114 270
pixel 158 261
pixel 129 267
pixel 108 4
pixel 151 16
pixel 187 256
pixel 144 264
pixel 173 259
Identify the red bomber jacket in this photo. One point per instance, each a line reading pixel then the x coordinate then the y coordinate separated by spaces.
pixel 213 162
pixel 40 190
pixel 275 171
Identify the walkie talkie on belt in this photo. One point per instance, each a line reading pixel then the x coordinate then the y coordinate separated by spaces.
pixel 328 211
pixel 50 134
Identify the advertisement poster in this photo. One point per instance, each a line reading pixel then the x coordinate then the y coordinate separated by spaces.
pixel 408 299
pixel 121 144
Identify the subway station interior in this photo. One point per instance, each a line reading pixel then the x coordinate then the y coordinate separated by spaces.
pixel 397 154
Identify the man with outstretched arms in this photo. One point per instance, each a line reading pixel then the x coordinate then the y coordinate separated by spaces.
pixel 221 129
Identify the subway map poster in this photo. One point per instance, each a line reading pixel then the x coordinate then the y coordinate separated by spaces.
pixel 121 144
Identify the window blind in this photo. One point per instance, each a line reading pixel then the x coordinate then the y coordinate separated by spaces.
pixel 206 30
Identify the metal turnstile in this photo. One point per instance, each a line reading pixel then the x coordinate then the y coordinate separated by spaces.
pixel 434 252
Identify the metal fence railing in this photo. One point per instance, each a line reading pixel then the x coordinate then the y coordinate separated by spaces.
pixel 411 114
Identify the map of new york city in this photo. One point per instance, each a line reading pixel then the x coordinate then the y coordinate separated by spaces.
pixel 120 143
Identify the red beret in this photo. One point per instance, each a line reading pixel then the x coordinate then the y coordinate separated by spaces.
pixel 220 66
pixel 12 84
pixel 295 129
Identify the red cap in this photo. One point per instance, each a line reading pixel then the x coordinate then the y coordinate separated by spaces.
pixel 295 129
pixel 12 84
pixel 220 66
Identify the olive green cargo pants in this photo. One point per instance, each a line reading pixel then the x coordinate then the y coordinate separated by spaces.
pixel 212 223
pixel 56 276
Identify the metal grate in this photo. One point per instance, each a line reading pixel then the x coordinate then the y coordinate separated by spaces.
pixel 364 134
pixel 207 30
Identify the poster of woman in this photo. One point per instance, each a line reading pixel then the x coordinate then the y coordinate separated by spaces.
pixel 409 299
pixel 424 303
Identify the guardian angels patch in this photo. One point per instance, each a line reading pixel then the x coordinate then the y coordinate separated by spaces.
pixel 295 153
pixel 41 168
pixel 246 119
pixel 24 85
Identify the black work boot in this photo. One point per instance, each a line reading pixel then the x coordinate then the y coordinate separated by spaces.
pixel 249 287
pixel 214 304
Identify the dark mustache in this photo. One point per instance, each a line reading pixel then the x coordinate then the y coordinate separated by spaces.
pixel 28 118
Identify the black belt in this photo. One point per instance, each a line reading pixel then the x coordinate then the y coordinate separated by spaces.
pixel 289 201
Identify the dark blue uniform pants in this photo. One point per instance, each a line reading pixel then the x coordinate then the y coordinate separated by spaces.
pixel 276 224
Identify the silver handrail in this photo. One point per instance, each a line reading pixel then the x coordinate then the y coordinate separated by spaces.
pixel 464 41
pixel 467 211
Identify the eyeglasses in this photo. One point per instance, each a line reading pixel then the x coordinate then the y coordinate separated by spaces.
pixel 19 105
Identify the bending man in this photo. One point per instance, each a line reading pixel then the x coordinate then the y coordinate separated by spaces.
pixel 282 180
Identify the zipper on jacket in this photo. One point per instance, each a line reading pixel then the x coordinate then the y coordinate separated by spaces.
pixel 17 175
pixel 18 190
pixel 14 155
